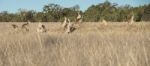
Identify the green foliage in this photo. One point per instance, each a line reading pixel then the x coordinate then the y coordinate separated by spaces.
pixel 52 12
pixel 95 13
pixel 92 14
pixel 106 11
pixel 146 15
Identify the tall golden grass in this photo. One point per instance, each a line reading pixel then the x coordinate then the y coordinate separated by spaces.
pixel 92 44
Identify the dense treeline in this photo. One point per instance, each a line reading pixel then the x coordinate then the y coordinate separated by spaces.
pixel 56 13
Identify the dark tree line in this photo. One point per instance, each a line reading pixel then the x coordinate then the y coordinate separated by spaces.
pixel 113 12
pixel 56 13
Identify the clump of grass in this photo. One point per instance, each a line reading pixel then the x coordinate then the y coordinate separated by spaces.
pixel 114 46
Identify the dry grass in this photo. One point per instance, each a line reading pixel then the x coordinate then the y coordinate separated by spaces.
pixel 93 44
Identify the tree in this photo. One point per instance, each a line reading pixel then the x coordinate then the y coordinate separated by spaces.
pixel 101 11
pixel 92 14
pixel 146 15
pixel 107 10
pixel 5 16
pixel 53 12
pixel 71 13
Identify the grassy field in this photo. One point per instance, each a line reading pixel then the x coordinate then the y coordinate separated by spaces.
pixel 92 44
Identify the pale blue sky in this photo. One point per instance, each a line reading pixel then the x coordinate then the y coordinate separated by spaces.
pixel 14 5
